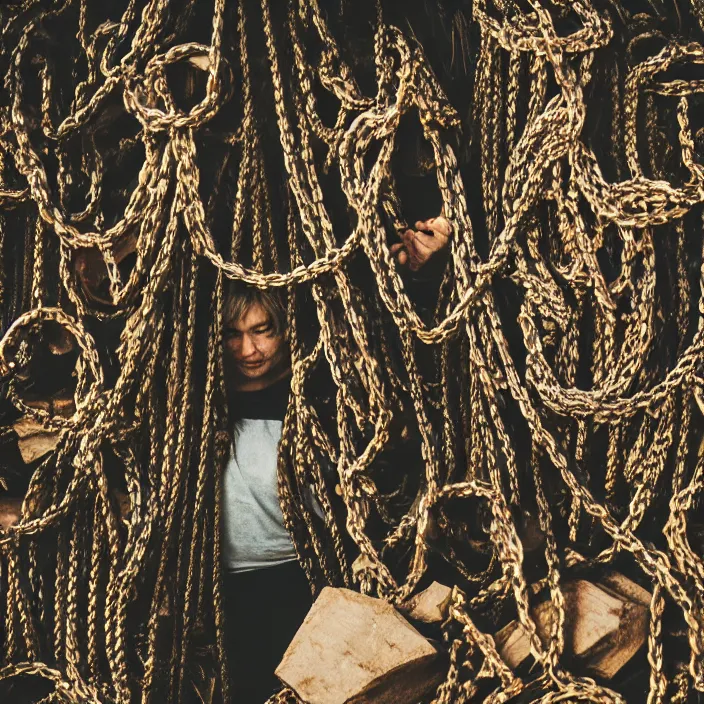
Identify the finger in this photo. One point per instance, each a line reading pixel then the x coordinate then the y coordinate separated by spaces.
pixel 410 244
pixel 441 225
pixel 409 240
pixel 427 244
pixel 402 257
pixel 424 243
pixel 417 252
pixel 395 247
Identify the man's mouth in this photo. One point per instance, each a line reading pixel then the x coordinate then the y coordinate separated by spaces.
pixel 252 365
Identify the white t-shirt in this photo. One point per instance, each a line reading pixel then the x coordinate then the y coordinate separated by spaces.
pixel 254 535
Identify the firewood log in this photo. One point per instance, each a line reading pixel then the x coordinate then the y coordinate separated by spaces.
pixel 354 648
pixel 605 625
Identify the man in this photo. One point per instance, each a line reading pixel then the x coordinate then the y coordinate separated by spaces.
pixel 261 616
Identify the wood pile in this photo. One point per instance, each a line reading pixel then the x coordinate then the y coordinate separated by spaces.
pixel 354 649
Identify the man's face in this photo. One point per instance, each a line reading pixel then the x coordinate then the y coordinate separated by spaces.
pixel 252 345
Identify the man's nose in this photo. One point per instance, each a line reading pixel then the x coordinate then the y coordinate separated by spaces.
pixel 248 347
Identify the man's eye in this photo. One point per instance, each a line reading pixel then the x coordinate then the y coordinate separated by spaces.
pixel 263 330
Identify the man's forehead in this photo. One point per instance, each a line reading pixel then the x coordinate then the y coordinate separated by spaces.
pixel 254 314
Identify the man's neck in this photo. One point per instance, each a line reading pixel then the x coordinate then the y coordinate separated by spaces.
pixel 242 384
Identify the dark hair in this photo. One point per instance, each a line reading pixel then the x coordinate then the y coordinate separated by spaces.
pixel 240 297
